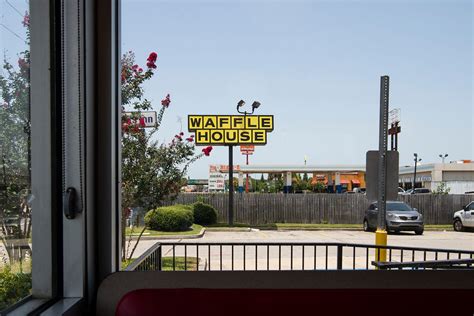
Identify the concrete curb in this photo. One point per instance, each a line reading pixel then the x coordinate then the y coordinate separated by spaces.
pixel 148 237
pixel 236 229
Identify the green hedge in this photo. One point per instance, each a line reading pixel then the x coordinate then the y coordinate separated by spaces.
pixel 204 214
pixel 173 218
pixel 13 287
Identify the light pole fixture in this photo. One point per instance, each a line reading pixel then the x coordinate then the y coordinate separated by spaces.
pixel 443 157
pixel 241 103
pixel 417 160
pixel 255 105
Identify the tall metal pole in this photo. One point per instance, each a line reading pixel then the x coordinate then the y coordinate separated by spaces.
pixel 231 186
pixel 414 173
pixel 384 90
pixel 381 233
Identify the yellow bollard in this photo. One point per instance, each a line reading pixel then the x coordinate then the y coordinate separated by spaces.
pixel 381 240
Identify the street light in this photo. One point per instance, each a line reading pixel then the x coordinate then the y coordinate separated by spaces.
pixel 443 157
pixel 417 160
pixel 241 103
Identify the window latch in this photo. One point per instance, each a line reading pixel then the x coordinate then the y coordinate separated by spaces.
pixel 71 203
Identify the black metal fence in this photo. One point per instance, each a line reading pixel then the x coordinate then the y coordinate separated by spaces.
pixel 295 256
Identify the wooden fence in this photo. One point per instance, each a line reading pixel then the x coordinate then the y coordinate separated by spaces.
pixel 268 208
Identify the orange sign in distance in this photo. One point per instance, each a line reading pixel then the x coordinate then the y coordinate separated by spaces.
pixel 247 149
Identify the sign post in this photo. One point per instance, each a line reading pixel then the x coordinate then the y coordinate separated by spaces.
pixel 381 233
pixel 395 129
pixel 231 130
pixel 247 150
pixel 231 185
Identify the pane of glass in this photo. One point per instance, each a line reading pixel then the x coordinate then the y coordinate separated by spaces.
pixel 15 193
pixel 316 67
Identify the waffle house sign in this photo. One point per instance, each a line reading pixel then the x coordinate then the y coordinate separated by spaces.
pixel 229 130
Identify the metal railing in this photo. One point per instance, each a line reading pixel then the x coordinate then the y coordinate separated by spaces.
pixel 293 256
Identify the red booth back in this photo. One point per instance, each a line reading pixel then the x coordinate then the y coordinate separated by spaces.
pixel 292 302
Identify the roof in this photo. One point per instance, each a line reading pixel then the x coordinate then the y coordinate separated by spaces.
pixel 300 168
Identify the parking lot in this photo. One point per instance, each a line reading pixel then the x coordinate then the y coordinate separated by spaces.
pixel 280 258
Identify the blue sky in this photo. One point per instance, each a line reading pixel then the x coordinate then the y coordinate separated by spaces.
pixel 314 65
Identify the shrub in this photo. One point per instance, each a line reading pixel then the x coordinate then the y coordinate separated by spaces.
pixel 204 214
pixel 173 218
pixel 13 286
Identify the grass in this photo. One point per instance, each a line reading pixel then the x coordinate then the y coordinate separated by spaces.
pixel 167 264
pixel 17 267
pixel 194 230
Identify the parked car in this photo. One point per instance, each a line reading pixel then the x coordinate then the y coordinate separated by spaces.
pixel 401 190
pixel 399 217
pixel 464 218
pixel 417 191
pixel 359 190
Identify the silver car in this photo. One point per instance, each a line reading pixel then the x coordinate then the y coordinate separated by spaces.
pixel 399 217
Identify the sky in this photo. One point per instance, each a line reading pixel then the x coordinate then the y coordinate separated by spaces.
pixel 314 65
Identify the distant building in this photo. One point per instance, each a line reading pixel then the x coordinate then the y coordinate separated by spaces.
pixel 458 176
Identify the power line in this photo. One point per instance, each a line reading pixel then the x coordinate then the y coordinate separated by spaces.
pixel 14 8
pixel 15 34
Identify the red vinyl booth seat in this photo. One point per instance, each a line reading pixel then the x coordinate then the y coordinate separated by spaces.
pixel 293 302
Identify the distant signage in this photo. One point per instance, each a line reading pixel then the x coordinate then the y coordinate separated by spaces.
pixel 148 117
pixel 216 182
pixel 230 129
pixel 222 168
pixel 247 149
pixel 197 182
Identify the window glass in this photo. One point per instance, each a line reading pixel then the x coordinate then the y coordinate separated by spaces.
pixel 15 155
pixel 316 73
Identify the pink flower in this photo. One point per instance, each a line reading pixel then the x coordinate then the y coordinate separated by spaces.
pixel 26 20
pixel 151 64
pixel 140 69
pixel 181 134
pixel 190 139
pixel 152 57
pixel 166 101
pixel 178 137
pixel 22 63
pixel 207 150
pixel 142 122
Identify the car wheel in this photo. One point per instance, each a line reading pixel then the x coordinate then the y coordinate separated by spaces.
pixel 457 225
pixel 419 231
pixel 366 226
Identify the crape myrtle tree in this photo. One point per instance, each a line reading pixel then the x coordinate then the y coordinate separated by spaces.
pixel 152 173
pixel 15 154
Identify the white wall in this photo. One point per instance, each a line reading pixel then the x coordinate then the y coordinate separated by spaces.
pixel 457 187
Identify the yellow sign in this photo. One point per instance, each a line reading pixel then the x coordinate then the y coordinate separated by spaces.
pixel 230 129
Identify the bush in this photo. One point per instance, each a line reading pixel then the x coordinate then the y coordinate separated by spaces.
pixel 173 218
pixel 204 214
pixel 13 287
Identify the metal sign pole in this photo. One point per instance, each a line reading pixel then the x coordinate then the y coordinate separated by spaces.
pixel 381 233
pixel 247 178
pixel 231 186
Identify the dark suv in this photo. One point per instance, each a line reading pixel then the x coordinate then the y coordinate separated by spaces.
pixel 399 217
